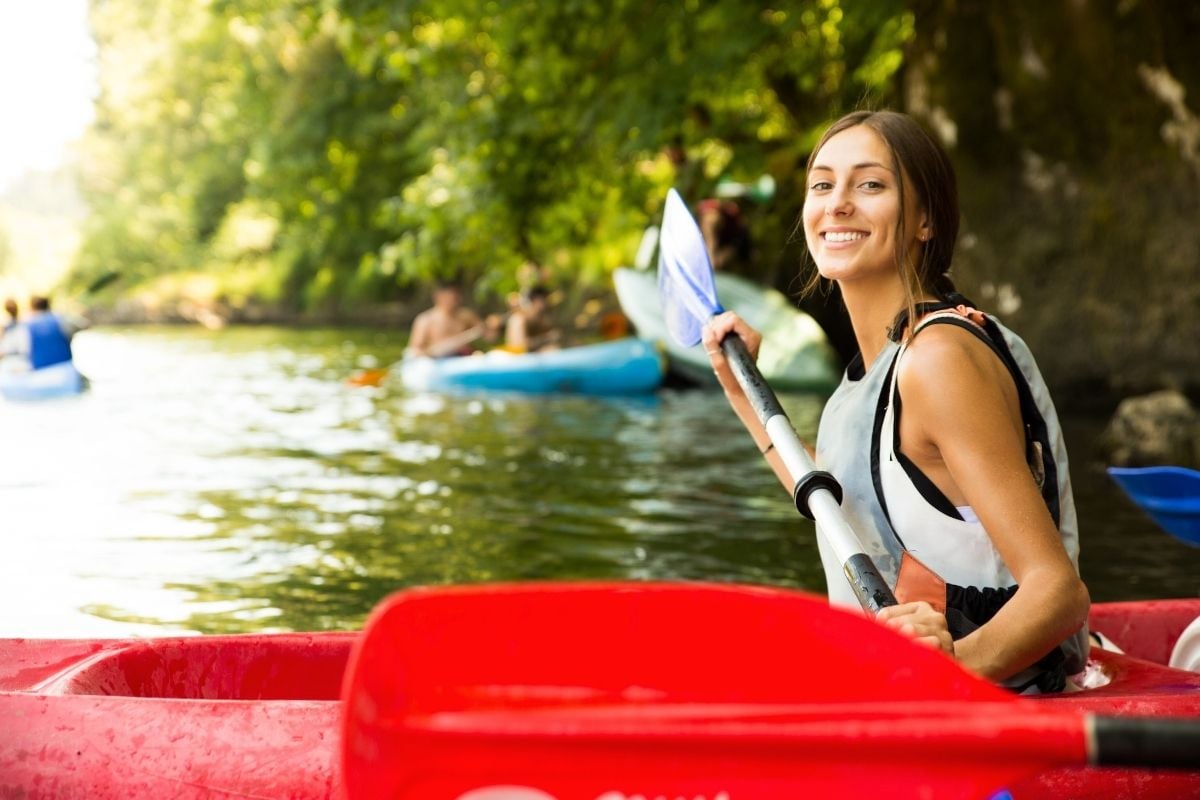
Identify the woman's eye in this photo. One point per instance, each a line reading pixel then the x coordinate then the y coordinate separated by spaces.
pixel 872 185
pixel 821 186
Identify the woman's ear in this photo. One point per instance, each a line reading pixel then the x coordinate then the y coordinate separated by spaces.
pixel 924 230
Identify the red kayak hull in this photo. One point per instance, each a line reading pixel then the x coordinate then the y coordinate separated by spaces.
pixel 258 715
pixel 1140 685
pixel 198 717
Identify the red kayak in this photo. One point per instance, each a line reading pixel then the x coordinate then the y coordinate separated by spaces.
pixel 569 691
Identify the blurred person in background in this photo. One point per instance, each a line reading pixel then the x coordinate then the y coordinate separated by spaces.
pixel 530 327
pixel 726 234
pixel 10 308
pixel 447 329
pixel 44 337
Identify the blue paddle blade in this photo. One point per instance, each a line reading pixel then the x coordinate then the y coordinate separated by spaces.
pixel 686 287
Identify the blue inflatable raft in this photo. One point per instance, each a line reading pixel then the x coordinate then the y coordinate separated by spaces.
pixel 623 367
pixel 58 380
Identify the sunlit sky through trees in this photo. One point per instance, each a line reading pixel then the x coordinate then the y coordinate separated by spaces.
pixel 47 60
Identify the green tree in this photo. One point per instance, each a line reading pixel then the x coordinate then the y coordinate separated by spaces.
pixel 390 144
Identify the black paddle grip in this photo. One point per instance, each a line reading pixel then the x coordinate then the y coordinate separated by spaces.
pixel 869 587
pixel 761 396
pixel 817 479
pixel 1146 742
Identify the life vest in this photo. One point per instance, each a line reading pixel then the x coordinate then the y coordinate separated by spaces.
pixel 901 515
pixel 48 343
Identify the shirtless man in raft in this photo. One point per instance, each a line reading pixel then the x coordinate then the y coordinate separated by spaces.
pixel 447 329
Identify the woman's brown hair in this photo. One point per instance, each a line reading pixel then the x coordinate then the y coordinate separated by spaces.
pixel 922 164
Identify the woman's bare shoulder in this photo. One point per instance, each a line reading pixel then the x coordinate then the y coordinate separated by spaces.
pixel 947 368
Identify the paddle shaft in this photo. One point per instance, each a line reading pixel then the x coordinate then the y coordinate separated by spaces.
pixel 817 493
pixel 374 377
pixel 1144 742
pixel 101 282
pixel 456 342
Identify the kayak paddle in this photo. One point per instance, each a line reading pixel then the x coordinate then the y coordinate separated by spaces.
pixel 689 297
pixel 585 690
pixel 375 377
pixel 1169 495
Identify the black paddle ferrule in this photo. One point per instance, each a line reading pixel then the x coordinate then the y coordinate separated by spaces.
pixel 1146 742
pixel 817 479
pixel 762 398
pixel 869 587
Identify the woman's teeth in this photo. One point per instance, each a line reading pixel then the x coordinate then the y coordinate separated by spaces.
pixel 844 236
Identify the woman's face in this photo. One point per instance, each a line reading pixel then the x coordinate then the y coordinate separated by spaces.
pixel 852 208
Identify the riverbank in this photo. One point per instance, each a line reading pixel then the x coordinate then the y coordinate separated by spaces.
pixel 196 303
pixel 200 300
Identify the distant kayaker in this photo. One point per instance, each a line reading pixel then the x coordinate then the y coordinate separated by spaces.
pixel 530 327
pixel 726 234
pixel 970 474
pixel 44 337
pixel 10 308
pixel 10 361
pixel 447 329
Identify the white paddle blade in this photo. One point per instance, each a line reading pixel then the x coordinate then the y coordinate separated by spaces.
pixel 685 277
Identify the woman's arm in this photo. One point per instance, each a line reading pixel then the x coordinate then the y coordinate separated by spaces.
pixel 962 425
pixel 715 332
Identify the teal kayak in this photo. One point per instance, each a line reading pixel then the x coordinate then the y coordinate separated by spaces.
pixel 57 380
pixel 795 355
pixel 622 367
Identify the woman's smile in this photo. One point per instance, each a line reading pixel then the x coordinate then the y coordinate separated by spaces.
pixel 840 236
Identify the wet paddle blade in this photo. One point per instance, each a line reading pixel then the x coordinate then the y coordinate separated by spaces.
pixel 675 690
pixel 686 287
pixel 1169 495
pixel 368 377
pixel 101 282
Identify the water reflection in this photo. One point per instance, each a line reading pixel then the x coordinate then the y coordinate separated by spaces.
pixel 432 489
pixel 233 482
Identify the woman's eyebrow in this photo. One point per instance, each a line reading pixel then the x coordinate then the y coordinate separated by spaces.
pixel 863 165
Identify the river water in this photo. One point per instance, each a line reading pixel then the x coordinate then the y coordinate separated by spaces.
pixel 232 481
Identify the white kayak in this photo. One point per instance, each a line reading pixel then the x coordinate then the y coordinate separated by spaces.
pixel 795 355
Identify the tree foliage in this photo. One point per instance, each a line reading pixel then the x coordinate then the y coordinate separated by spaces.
pixel 342 150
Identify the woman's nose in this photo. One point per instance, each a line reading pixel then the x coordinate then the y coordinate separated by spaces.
pixel 837 204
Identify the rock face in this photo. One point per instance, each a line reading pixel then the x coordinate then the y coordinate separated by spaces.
pixel 1161 428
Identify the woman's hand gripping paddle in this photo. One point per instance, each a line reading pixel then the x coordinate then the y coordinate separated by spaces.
pixel 689 297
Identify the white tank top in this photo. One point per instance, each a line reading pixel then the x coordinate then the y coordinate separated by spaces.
pixel 856 444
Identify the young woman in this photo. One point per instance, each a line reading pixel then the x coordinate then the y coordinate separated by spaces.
pixel 941 433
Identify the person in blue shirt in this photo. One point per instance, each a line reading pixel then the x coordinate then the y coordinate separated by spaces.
pixel 44 337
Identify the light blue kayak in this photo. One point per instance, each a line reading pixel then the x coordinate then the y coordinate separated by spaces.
pixel 58 380
pixel 623 367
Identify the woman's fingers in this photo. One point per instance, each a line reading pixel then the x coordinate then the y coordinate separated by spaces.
pixel 921 622
pixel 719 327
pixel 726 324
